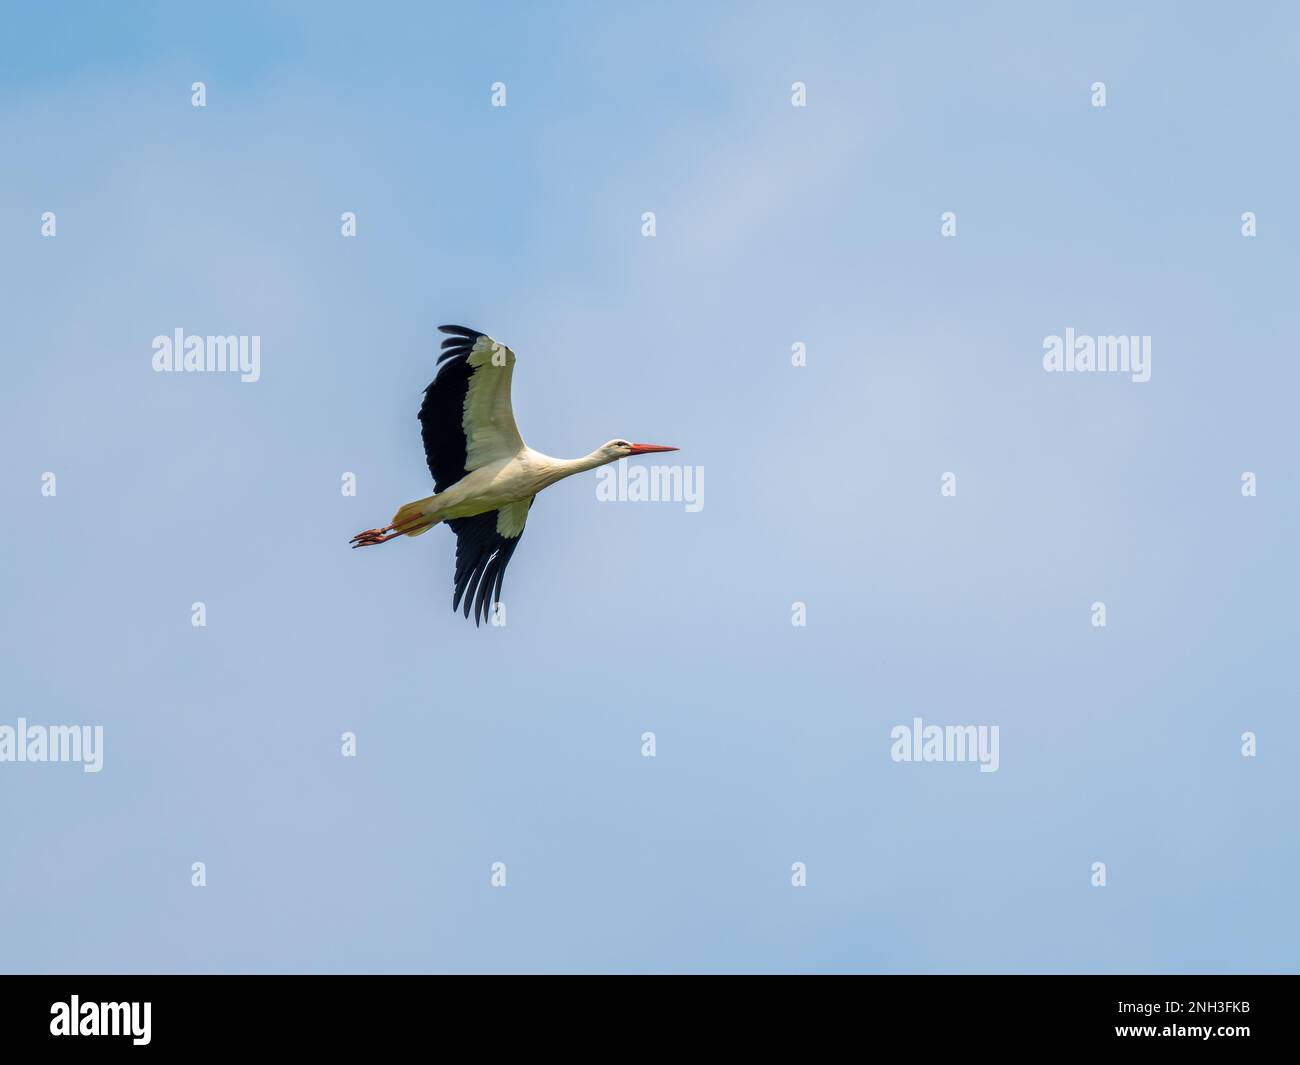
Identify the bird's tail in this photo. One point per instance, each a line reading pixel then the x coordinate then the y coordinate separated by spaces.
pixel 410 520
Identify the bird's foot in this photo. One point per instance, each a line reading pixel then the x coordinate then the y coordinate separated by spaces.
pixel 411 526
pixel 374 536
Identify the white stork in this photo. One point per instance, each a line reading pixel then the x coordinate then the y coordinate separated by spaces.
pixel 485 475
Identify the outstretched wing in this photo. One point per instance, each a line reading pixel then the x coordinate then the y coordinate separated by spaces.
pixel 484 544
pixel 466 420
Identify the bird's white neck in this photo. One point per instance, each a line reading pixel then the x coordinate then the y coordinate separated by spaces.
pixel 553 470
pixel 568 467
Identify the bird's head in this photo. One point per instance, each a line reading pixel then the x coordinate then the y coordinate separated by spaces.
pixel 621 449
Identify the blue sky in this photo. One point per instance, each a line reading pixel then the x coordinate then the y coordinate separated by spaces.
pixel 775 225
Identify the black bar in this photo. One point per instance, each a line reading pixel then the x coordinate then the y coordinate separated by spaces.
pixel 368 1013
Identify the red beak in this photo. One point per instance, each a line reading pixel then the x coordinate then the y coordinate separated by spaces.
pixel 649 449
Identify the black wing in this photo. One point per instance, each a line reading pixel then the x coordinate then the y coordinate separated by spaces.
pixel 443 409
pixel 467 419
pixel 484 544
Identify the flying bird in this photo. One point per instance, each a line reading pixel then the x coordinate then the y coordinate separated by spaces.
pixel 484 476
